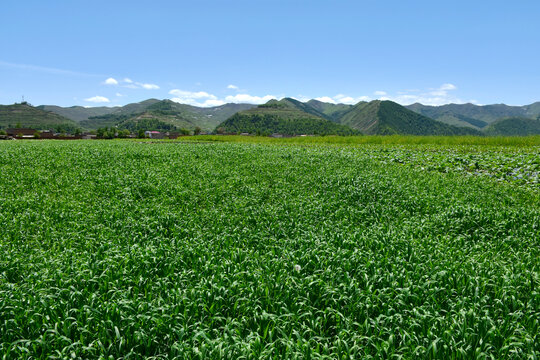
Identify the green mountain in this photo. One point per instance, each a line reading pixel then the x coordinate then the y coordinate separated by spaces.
pixel 514 127
pixel 29 116
pixel 330 111
pixel 287 117
pixel 387 118
pixel 77 113
pixel 166 111
pixel 462 114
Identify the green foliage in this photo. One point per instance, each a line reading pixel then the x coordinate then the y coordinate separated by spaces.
pixel 146 124
pixel 78 113
pixel 514 127
pixel 226 251
pixel 27 116
pixel 332 112
pixel 166 111
pixel 296 124
pixel 389 118
pixel 486 113
pixel 512 141
pixel 103 121
pixel 106 133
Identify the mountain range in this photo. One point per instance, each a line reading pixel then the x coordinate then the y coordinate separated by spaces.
pixel 287 116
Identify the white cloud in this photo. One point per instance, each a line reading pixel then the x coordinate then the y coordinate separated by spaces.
pixel 148 86
pixel 301 98
pixel 212 102
pixel 98 99
pixel 349 100
pixel 195 98
pixel 204 99
pixel 130 84
pixel 120 95
pixel 111 81
pixel 250 99
pixel 233 87
pixel 192 94
pixel 433 96
pixel 326 99
pixel 448 87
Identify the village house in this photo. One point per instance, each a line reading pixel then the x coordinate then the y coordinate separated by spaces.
pixel 22 133
pixel 154 135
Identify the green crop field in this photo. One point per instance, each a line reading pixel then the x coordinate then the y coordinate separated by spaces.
pixel 128 250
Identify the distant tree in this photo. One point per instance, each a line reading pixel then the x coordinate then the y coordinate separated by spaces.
pixel 123 133
pixel 140 134
pixel 18 126
pixel 37 135
pixel 20 135
pixel 100 132
pixel 110 134
pixel 184 131
pixel 220 130
pixel 77 132
pixel 2 132
pixel 197 130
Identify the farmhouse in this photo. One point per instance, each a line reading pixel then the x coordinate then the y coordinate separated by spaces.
pixel 21 133
pixel 154 135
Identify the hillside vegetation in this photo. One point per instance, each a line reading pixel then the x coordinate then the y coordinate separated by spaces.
pixel 376 117
pixel 287 117
pixel 166 111
pixel 388 118
pixel 462 113
pixel 25 115
pixel 514 127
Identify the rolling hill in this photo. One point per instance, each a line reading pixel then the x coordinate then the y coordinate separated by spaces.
pixel 77 113
pixel 287 117
pixel 25 115
pixel 465 114
pixel 515 126
pixel 387 118
pixel 330 111
pixel 167 111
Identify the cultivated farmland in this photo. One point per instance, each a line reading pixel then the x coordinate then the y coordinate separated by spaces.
pixel 226 251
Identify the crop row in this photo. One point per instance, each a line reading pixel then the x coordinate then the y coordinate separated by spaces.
pixel 230 251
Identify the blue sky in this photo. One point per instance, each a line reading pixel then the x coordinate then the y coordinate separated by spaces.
pixel 95 53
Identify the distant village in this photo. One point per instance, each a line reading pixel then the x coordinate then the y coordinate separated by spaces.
pixel 33 134
pixel 111 133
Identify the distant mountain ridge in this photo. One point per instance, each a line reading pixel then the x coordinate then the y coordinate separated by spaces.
pixel 476 116
pixel 375 117
pixel 166 111
pixel 514 127
pixel 286 117
pixel 25 115
pixel 387 118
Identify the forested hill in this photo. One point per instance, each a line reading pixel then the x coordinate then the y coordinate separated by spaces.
pixel 286 117
pixel 514 127
pixel 387 118
pixel 28 116
pixel 476 116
